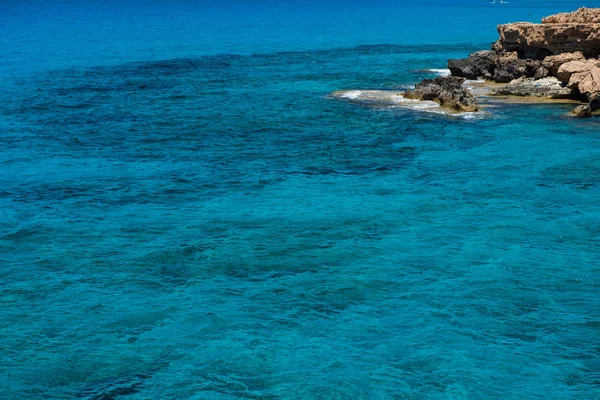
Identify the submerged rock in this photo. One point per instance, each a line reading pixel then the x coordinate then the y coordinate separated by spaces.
pixel 447 91
pixel 550 88
pixel 582 111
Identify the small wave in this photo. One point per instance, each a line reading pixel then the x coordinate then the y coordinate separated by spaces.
pixel 390 100
pixel 351 94
pixel 415 104
pixel 440 72
pixel 472 115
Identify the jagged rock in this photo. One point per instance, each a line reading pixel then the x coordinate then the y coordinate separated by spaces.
pixel 490 65
pixel 572 67
pixel 541 73
pixel 448 91
pixel 582 111
pixel 509 69
pixel 581 16
pixel 479 64
pixel 507 73
pixel 594 99
pixel 561 33
pixel 550 88
pixel 586 82
pixel 553 63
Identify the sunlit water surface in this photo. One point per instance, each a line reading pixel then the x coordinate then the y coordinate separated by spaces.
pixel 189 218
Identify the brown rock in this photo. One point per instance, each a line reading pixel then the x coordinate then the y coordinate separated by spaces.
pixel 582 16
pixel 538 41
pixel 587 82
pixel 573 67
pixel 553 63
pixel 508 57
pixel 582 111
pixel 577 78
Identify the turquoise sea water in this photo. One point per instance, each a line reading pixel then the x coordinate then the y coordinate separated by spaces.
pixel 186 214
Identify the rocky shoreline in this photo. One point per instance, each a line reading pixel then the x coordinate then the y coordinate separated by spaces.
pixel 555 60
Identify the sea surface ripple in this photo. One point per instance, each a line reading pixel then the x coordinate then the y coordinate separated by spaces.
pixel 217 227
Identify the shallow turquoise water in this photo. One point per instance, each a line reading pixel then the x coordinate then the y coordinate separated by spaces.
pixel 214 226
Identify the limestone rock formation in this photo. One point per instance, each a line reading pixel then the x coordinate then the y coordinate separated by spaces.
pixel 540 40
pixel 448 91
pixel 581 16
pixel 550 88
pixel 553 63
pixel 560 33
pixel 557 59
pixel 587 82
pixel 573 67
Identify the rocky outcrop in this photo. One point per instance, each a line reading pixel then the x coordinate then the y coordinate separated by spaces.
pixel 575 67
pixel 561 33
pixel 553 63
pixel 582 111
pixel 587 83
pixel 499 67
pixel 556 59
pixel 549 88
pixel 480 64
pixel 537 41
pixel 509 69
pixel 581 16
pixel 447 91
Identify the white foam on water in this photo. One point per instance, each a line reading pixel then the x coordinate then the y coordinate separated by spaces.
pixel 472 115
pixel 351 94
pixel 431 107
pixel 397 101
pixel 440 72
pixel 416 104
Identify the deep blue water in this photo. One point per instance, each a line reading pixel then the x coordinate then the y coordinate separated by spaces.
pixel 186 214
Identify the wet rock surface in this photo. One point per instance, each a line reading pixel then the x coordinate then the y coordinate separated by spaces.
pixel 448 92
pixel 582 111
